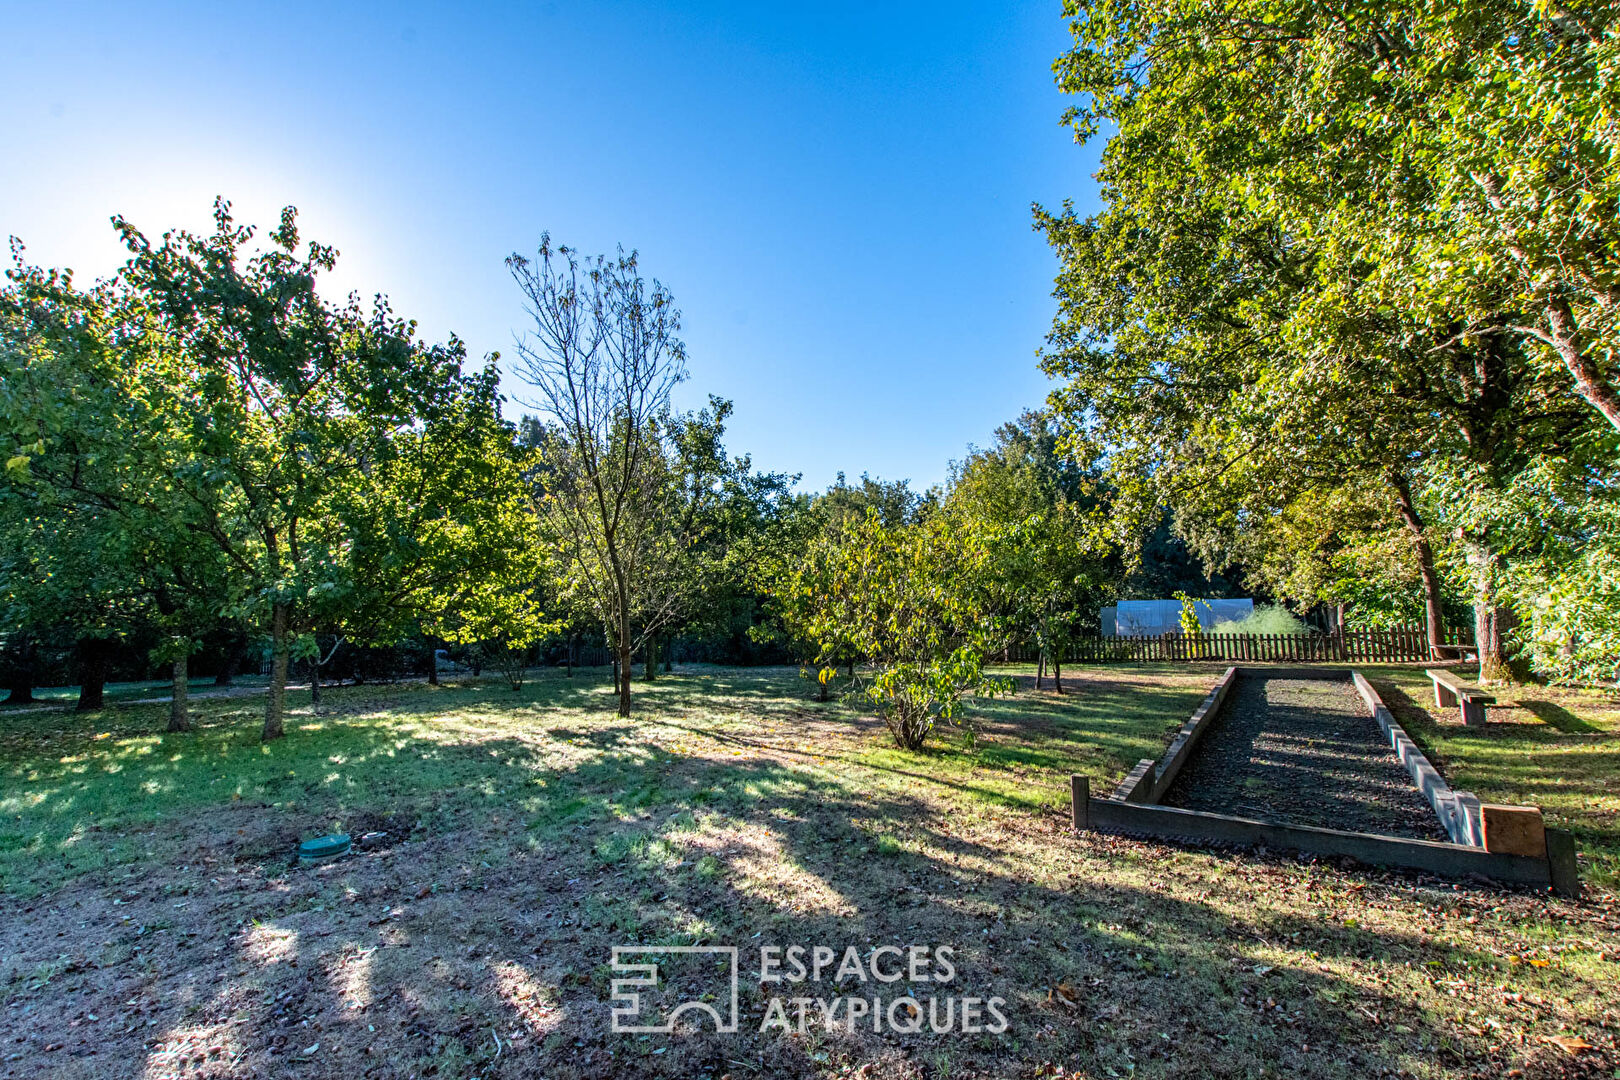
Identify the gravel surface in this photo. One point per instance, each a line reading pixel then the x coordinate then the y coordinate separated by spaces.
pixel 1306 752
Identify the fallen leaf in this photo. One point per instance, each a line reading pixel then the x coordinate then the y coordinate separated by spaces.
pixel 1570 1045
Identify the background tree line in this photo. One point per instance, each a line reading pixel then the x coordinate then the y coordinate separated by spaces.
pixel 204 457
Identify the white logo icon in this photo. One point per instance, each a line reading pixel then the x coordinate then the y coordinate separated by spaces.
pixel 627 999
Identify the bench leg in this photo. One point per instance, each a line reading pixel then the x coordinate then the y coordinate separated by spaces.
pixel 1473 714
pixel 1443 697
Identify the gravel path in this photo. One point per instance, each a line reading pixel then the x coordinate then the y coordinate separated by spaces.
pixel 1306 752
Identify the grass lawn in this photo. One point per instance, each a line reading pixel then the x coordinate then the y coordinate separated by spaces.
pixel 123 692
pixel 151 926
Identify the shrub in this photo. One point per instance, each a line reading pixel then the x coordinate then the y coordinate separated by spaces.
pixel 910 599
pixel 1265 619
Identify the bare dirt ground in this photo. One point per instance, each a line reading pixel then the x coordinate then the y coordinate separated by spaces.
pixel 523 838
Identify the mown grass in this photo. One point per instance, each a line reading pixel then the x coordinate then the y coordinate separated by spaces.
pixel 122 692
pixel 1028 744
pixel 78 788
pixel 529 833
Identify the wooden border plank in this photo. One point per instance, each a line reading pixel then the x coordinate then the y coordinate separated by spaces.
pixel 1327 674
pixel 1446 860
pixel 1565 872
pixel 1137 785
pixel 1458 812
pixel 1181 747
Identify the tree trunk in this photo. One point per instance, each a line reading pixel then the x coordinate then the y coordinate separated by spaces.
pixel 92 674
pixel 652 660
pixel 1492 624
pixel 1040 668
pixel 179 703
pixel 23 675
pixel 624 674
pixel 1057 673
pixel 849 670
pixel 1431 579
pixel 233 661
pixel 275 705
pixel 433 661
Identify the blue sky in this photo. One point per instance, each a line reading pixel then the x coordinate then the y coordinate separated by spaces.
pixel 838 195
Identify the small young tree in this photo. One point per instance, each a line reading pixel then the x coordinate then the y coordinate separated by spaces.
pixel 803 601
pixel 620 494
pixel 911 599
pixel 501 623
pixel 1049 569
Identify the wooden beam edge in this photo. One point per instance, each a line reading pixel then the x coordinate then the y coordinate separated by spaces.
pixel 1443 859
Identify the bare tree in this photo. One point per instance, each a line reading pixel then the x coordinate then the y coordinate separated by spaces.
pixel 604 357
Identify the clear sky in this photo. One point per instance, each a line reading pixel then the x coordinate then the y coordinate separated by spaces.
pixel 837 194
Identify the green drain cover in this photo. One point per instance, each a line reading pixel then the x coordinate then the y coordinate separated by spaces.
pixel 323 849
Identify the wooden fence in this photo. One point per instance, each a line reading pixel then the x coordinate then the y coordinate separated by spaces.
pixel 1409 643
pixel 586 656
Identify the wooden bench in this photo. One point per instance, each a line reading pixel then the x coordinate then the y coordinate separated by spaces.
pixel 1448 691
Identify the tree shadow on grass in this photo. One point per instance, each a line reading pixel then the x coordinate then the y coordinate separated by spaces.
pixel 1529 757
pixel 482 946
pixel 1557 716
pixel 518 951
pixel 1557 769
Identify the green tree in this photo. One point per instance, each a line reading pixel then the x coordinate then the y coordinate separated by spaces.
pixel 100 543
pixel 913 600
pixel 1459 157
pixel 738 522
pixel 893 501
pixel 443 535
pixel 1236 322
pixel 628 483
pixel 287 418
pixel 1049 570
